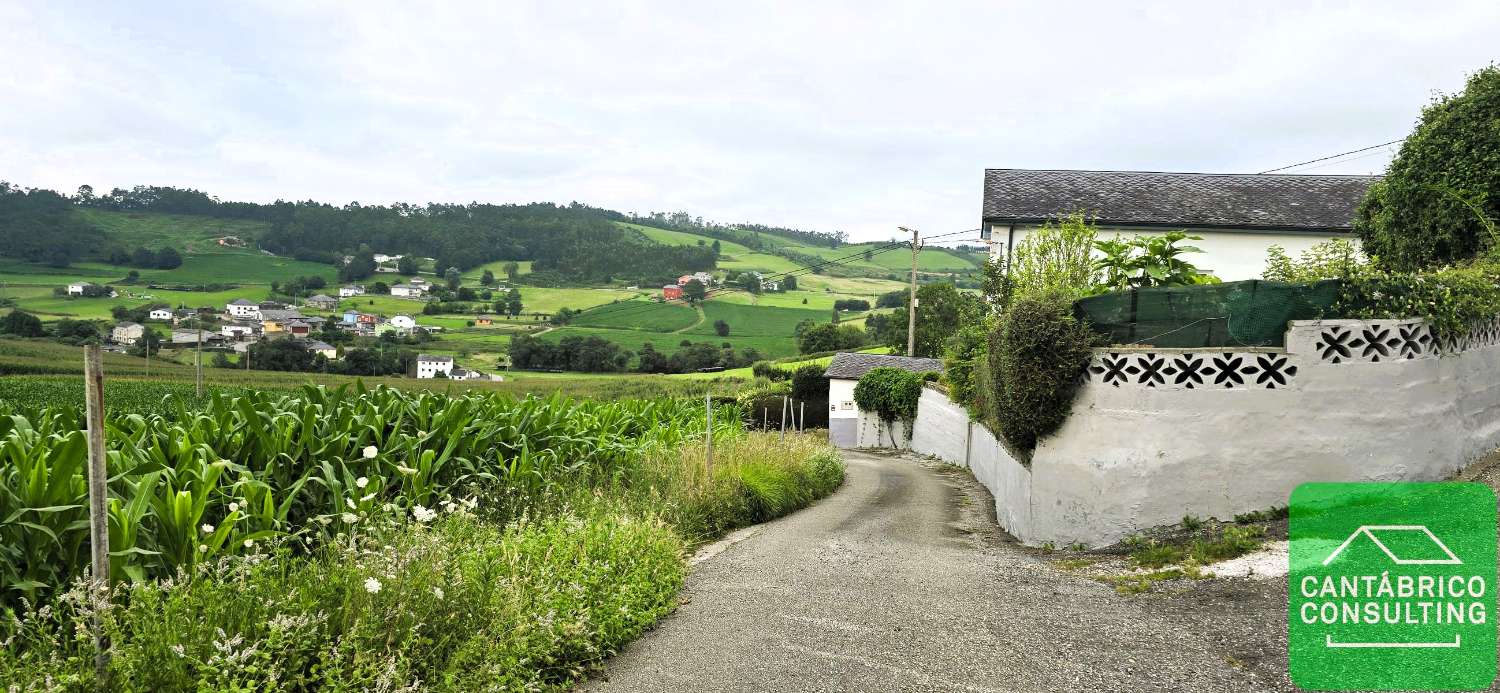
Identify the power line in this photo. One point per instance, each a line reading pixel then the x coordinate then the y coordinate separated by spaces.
pixel 1335 156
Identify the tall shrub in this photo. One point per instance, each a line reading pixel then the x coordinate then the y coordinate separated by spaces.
pixel 891 393
pixel 1441 194
pixel 1055 259
pixel 1037 355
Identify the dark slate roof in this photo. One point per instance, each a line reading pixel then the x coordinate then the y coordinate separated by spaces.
pixel 853 366
pixel 1177 200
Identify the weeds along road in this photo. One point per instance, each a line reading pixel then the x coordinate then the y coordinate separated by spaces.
pixel 900 582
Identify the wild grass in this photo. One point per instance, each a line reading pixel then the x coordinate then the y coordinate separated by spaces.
pixel 299 560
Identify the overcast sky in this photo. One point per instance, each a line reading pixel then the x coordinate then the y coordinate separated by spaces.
pixel 855 116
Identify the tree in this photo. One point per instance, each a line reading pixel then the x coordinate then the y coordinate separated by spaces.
pixel 221 360
pixel 487 279
pixel 75 332
pixel 21 324
pixel 693 291
pixel 789 283
pixel 513 303
pixel 941 311
pixel 721 328
pixel 652 361
pixel 360 266
pixel 143 257
pixel 453 277
pixel 715 247
pixel 1440 198
pixel 168 258
pixel 407 266
pixel 280 355
pixel 512 270
pixel 830 337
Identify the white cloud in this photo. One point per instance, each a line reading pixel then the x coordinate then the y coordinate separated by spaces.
pixel 853 116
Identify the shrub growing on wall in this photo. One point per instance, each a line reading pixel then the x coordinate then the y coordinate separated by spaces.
pixel 1441 194
pixel 1037 356
pixel 967 354
pixel 891 393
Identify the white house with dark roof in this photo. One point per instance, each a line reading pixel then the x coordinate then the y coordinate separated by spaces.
pixel 407 291
pixel 843 374
pixel 160 313
pixel 351 291
pixel 428 366
pixel 1239 216
pixel 242 309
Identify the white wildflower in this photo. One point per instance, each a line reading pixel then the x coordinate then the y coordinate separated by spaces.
pixel 389 507
pixel 422 514
pixel 437 592
pixel 325 519
pixel 234 507
pixel 372 585
pixel 361 482
pixel 405 470
pixel 350 518
pixel 249 543
pixel 179 651
pixel 368 498
pixel 350 502
pixel 371 452
pixel 203 548
pixel 207 529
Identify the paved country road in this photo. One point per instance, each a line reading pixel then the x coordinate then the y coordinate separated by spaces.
pixel 900 582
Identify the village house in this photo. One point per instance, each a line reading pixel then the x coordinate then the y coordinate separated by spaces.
pixel 243 309
pixel 382 258
pixel 428 366
pixel 484 321
pixel 403 323
pixel 407 291
pixel 127 333
pixel 327 350
pixel 1239 216
pixel 843 374
pixel 298 328
pixel 238 330
pixel 185 338
pixel 351 291
pixel 160 313
pixel 323 302
pixel 671 292
pixel 80 288
pixel 274 321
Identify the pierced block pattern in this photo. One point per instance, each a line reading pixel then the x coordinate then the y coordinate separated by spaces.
pixel 1196 370
pixel 1376 341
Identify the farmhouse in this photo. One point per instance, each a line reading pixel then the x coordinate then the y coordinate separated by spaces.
pixel 327 350
pixel 240 308
pixel 403 322
pixel 298 328
pixel 160 313
pixel 482 322
pixel 843 374
pixel 428 366
pixel 322 302
pixel 80 288
pixel 407 291
pixel 671 292
pixel 127 332
pixel 238 330
pixel 1238 216
pixel 273 321
pixel 351 291
pixel 192 337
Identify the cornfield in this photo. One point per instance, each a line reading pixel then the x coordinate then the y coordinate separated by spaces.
pixel 193 481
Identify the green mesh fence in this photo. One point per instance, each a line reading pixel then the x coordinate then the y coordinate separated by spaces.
pixel 1233 314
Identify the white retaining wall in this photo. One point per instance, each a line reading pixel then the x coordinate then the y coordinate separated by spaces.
pixel 1157 434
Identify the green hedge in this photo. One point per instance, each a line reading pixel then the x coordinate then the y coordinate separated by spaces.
pixel 1037 356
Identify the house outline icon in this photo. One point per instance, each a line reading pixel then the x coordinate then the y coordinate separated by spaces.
pixel 1369 531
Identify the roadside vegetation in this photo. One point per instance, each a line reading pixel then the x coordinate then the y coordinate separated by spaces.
pixel 371 539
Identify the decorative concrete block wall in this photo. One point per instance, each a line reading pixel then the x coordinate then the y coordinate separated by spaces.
pixel 1157 434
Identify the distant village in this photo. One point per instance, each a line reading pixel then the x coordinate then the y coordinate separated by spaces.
pixel 243 323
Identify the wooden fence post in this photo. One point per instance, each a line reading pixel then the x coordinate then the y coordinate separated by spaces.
pixel 708 441
pixel 93 368
pixel 783 418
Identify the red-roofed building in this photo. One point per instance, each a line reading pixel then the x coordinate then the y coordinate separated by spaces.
pixel 671 292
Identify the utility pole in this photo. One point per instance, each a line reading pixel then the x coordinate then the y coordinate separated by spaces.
pixel 911 310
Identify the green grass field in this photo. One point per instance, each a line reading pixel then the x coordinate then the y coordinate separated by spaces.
pixel 182 232
pixel 640 315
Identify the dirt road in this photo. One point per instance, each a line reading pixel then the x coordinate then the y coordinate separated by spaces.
pixel 901 582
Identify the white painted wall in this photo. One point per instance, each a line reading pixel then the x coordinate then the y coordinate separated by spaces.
pixel 1229 255
pixel 1140 453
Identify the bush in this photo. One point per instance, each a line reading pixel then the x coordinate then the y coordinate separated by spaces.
pixel 830 337
pixel 1441 194
pixel 769 371
pixel 1451 300
pixel 1332 259
pixel 1037 355
pixel 891 393
pixel 967 353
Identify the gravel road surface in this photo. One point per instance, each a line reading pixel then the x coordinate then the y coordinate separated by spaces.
pixel 901 582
